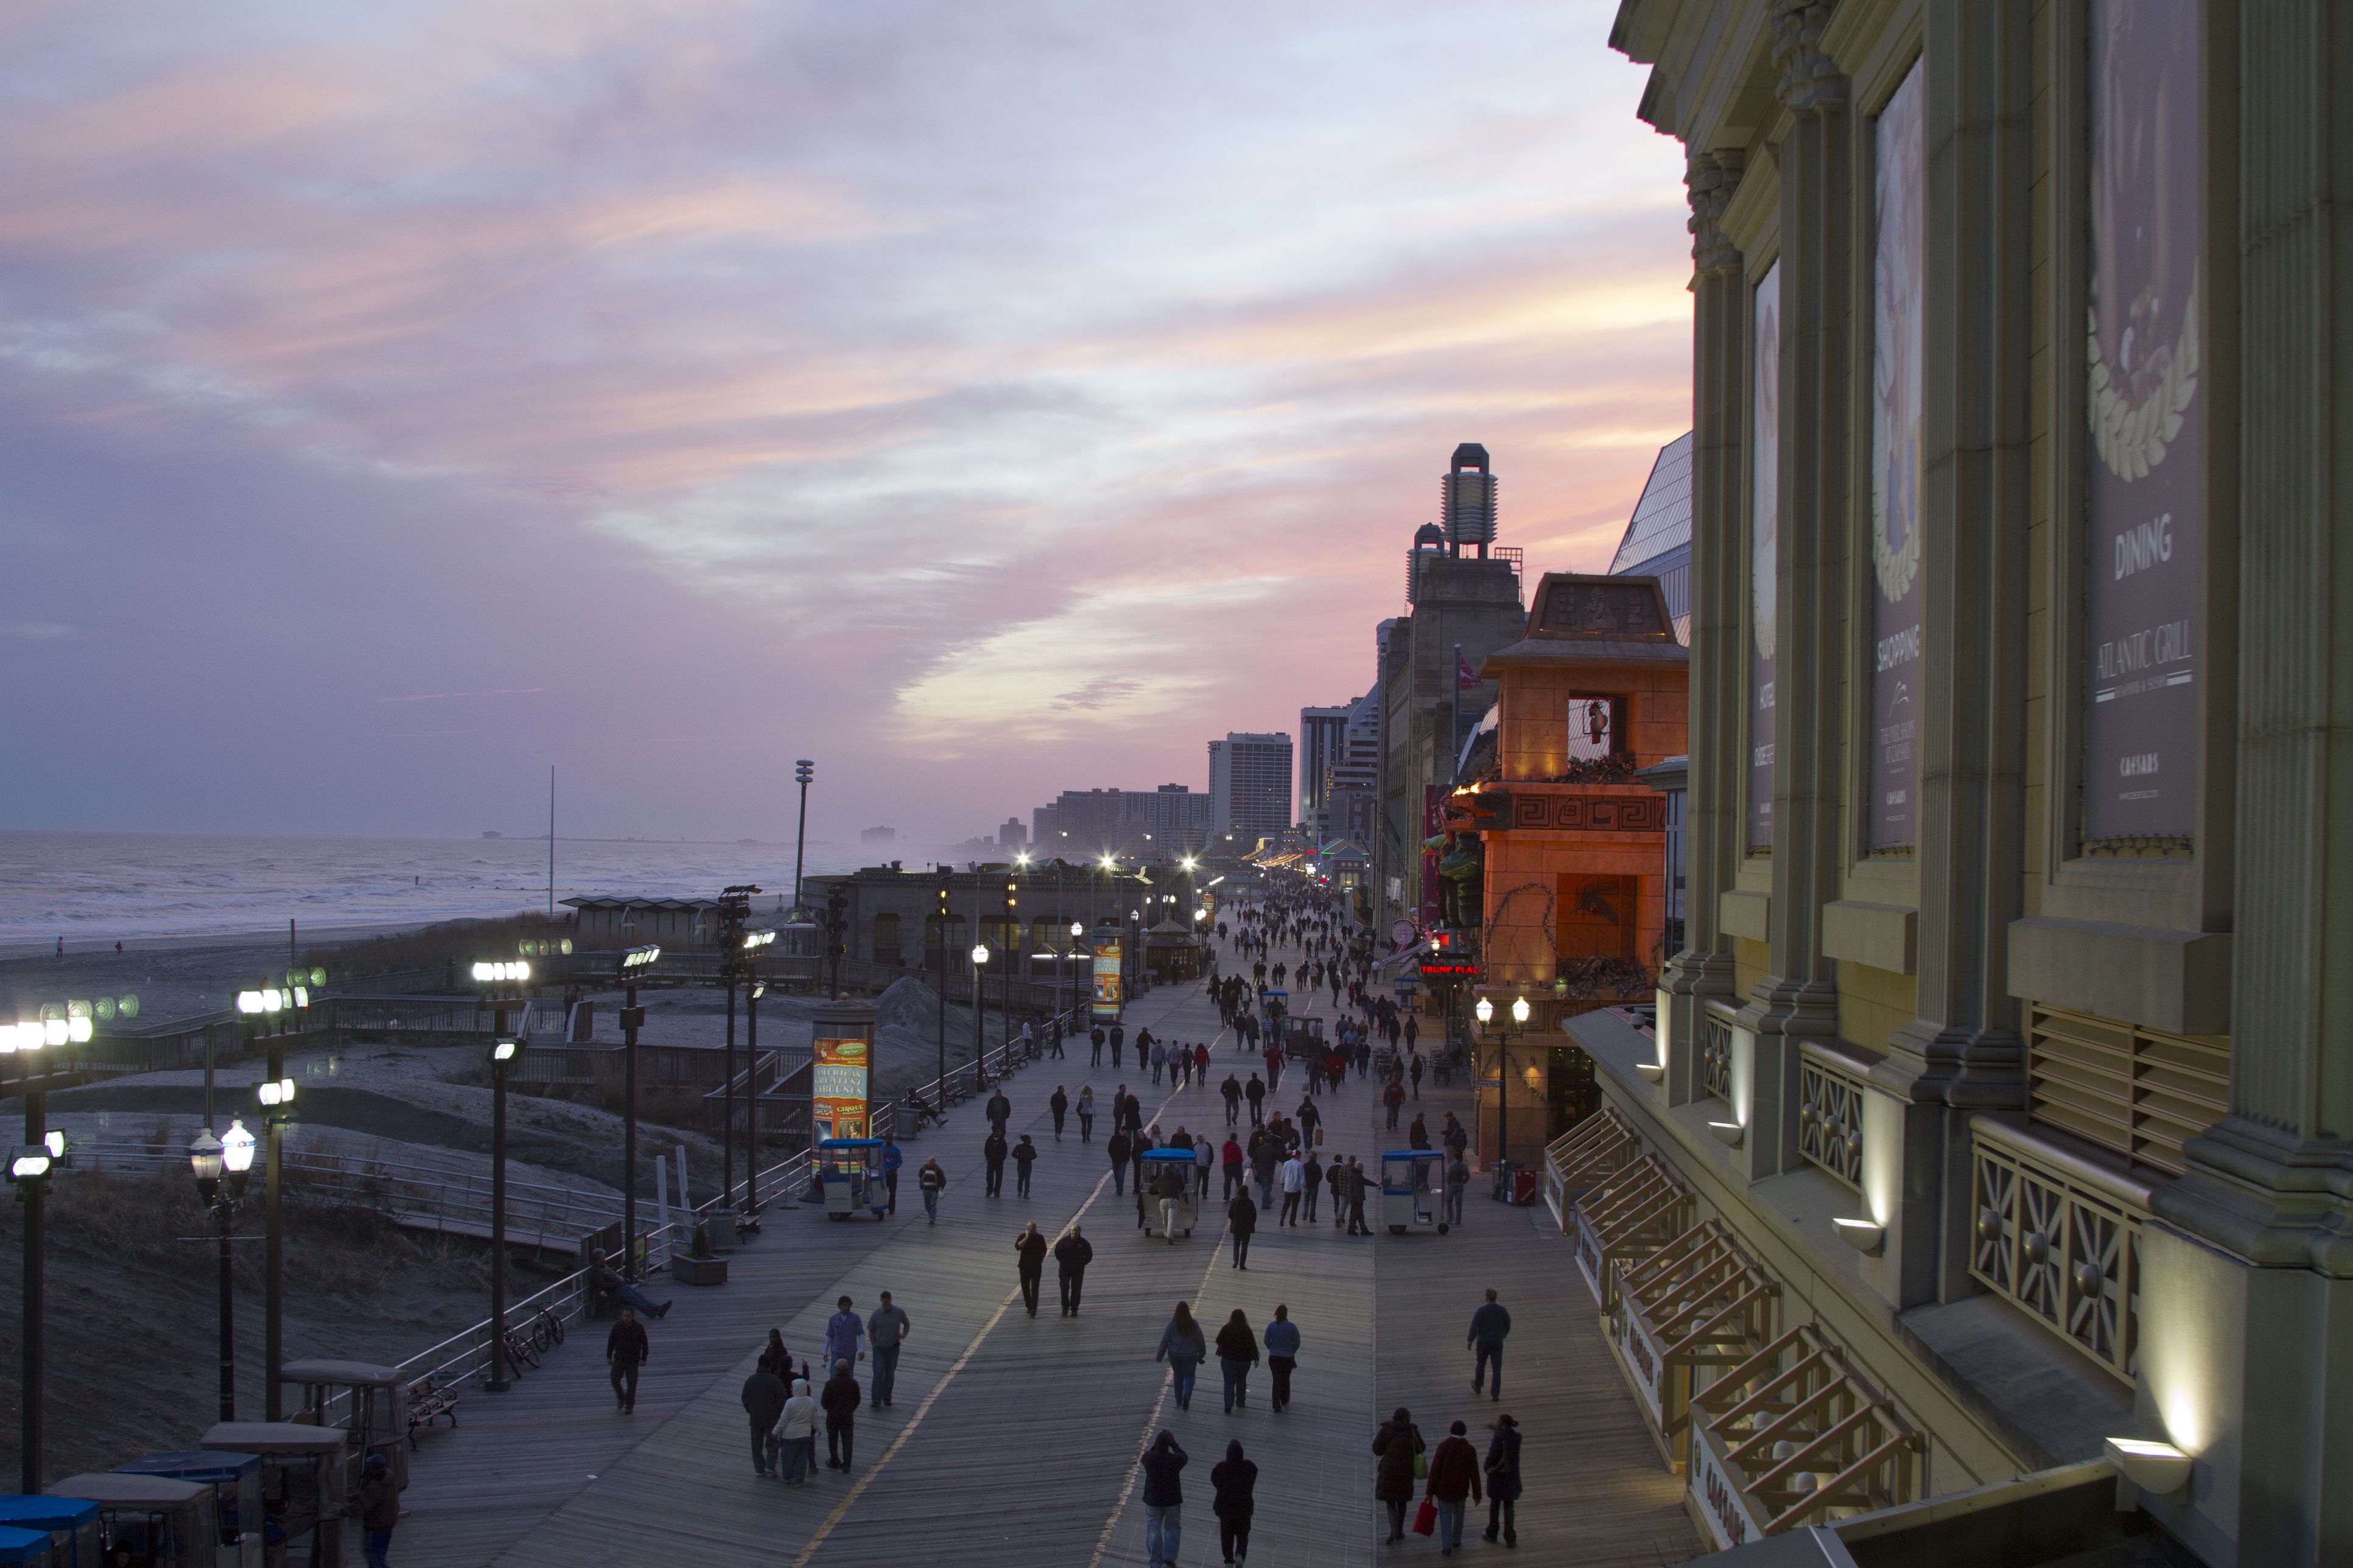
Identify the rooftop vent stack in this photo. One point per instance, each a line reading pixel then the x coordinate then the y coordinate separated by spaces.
pixel 1428 540
pixel 1467 499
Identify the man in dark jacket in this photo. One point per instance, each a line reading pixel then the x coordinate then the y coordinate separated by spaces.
pixel 1119 1149
pixel 626 1350
pixel 1025 1154
pixel 1232 1090
pixel 764 1402
pixel 1030 1262
pixel 992 1157
pixel 1502 1469
pixel 1236 1482
pixel 839 1402
pixel 1489 1325
pixel 1071 1256
pixel 1162 1496
pixel 1354 1190
pixel 378 1506
pixel 999 1110
pixel 1095 1038
pixel 1255 1092
pixel 1059 1104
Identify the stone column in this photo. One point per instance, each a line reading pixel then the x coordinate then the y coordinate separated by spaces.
pixel 2247 1321
pixel 1964 1049
pixel 1713 820
pixel 1799 998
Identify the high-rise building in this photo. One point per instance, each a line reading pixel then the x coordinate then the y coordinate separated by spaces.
pixel 1250 783
pixel 1323 736
pixel 1083 824
pixel 1012 835
pixel 1658 537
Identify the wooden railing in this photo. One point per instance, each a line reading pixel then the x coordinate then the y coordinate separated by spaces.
pixel 1625 1219
pixel 1696 1306
pixel 1595 1148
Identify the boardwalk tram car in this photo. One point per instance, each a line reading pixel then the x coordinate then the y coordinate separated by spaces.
pixel 304 1472
pixel 850 1170
pixel 1413 1189
pixel 67 1526
pixel 1180 1164
pixel 235 1483
pixel 158 1520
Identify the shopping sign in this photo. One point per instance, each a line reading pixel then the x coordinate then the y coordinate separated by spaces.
pixel 837 1087
pixel 1107 980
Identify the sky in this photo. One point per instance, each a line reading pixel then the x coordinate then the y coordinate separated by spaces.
pixel 980 401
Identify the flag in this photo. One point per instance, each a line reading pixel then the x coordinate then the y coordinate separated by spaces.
pixel 1464 680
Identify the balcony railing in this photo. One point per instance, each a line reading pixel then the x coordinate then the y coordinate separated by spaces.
pixel 1829 1119
pixel 1692 1308
pixel 2061 1238
pixel 1716 1054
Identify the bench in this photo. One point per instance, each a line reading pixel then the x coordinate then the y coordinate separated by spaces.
pixel 428 1400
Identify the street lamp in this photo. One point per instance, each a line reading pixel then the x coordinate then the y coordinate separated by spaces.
pixel 753 989
pixel 211 1159
pixel 28 1172
pixel 276 1013
pixel 635 963
pixel 979 960
pixel 502 1052
pixel 803 770
pixel 1485 1010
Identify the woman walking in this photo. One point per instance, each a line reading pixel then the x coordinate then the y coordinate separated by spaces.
pixel 1236 1353
pixel 1236 1484
pixel 1282 1354
pixel 1183 1348
pixel 1163 1496
pixel 1242 1218
pixel 1086 1108
pixel 1453 1478
pixel 1504 1481
pixel 1395 1446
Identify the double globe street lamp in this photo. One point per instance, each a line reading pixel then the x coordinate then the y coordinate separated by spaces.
pixel 1486 1013
pixel 221 1166
pixel 276 1013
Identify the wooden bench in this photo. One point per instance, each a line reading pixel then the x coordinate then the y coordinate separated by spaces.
pixel 428 1400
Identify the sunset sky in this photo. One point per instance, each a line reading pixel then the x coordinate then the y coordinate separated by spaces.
pixel 981 400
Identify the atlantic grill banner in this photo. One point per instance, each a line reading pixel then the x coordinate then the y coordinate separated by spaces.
pixel 1896 286
pixel 837 1089
pixel 1763 556
pixel 2140 730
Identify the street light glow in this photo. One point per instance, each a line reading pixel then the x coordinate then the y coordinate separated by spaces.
pixel 1485 1010
pixel 503 1051
pixel 277 1092
pixel 236 1149
pixel 30 1163
pixel 490 974
pixel 980 953
pixel 1520 1011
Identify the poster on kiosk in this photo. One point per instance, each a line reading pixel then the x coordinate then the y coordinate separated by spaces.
pixel 837 1089
pixel 1107 980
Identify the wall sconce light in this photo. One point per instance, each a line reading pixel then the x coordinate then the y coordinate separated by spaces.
pixel 1728 1133
pixel 2153 1466
pixel 1652 1071
pixel 1866 1236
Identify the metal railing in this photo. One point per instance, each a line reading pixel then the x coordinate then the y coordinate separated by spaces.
pixel 2061 1238
pixel 1716 1055
pixel 1829 1119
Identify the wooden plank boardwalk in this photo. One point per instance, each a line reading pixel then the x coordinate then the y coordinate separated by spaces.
pixel 1013 1439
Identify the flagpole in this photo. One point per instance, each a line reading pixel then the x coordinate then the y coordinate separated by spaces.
pixel 1454 724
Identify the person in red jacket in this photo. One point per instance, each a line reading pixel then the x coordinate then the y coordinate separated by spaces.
pixel 1454 1477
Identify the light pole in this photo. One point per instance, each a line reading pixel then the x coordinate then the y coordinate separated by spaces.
pixel 1486 1013
pixel 635 961
pixel 271 1010
pixel 1076 947
pixel 803 770
pixel 501 1053
pixel 1012 944
pixel 28 1172
pixel 753 988
pixel 734 908
pixel 221 1166
pixel 979 962
pixel 939 1084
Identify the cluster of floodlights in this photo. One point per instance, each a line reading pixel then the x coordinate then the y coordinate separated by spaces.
pixel 549 947
pixel 495 972
pixel 753 939
pixel 272 999
pixel 31 1162
pixel 639 958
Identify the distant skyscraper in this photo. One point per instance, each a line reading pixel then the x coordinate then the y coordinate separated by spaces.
pixel 1250 783
pixel 1323 733
pixel 1467 494
pixel 1012 835
pixel 1084 823
pixel 1658 538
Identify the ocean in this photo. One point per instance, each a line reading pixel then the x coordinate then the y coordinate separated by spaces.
pixel 102 887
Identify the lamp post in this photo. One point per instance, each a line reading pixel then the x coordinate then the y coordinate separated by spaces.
pixel 501 1053
pixel 1012 946
pixel 734 910
pixel 753 989
pixel 275 1012
pixel 1486 1013
pixel 979 962
pixel 635 961
pixel 1076 947
pixel 221 1166
pixel 28 1172
pixel 939 1084
pixel 803 770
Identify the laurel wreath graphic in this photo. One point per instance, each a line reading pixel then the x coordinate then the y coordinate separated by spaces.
pixel 2131 437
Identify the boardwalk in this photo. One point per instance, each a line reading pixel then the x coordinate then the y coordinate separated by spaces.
pixel 1014 1438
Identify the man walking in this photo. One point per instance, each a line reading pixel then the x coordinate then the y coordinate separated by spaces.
pixel 933 1181
pixel 1293 1175
pixel 1118 1039
pixel 1357 1184
pixel 892 1160
pixel 1060 1105
pixel 1394 1097
pixel 1071 1256
pixel 1095 1039
pixel 1458 1182
pixel 1025 1154
pixel 379 1498
pixel 1232 1090
pixel 1311 1182
pixel 999 1110
pixel 1233 1164
pixel 1489 1325
pixel 1282 1354
pixel 839 1400
pixel 992 1157
pixel 1266 1158
pixel 764 1402
pixel 1029 1263
pixel 886 1330
pixel 844 1333
pixel 1255 1092
pixel 1205 1156
pixel 626 1350
pixel 1119 1148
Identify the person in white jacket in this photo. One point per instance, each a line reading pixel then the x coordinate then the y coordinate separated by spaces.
pixel 797 1430
pixel 1293 1176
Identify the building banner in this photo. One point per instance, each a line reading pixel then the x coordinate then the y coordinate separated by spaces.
pixel 838 1077
pixel 1432 906
pixel 1898 278
pixel 2141 748
pixel 1763 549
pixel 1108 994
